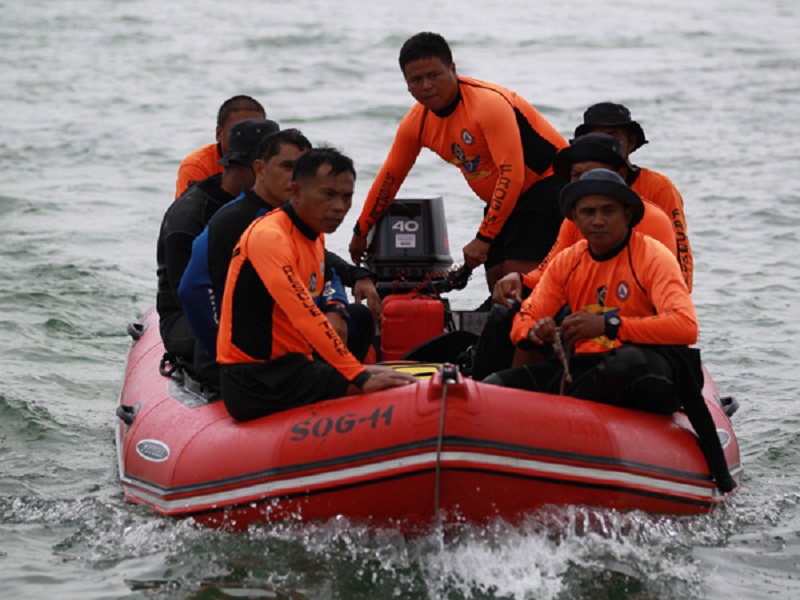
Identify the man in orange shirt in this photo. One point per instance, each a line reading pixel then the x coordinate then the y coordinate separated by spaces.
pixel 618 285
pixel 631 317
pixel 204 161
pixel 186 218
pixel 585 153
pixel 270 327
pixel 503 147
pixel 494 350
pixel 615 119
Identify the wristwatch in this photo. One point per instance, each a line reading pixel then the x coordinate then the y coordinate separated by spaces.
pixel 338 309
pixel 612 325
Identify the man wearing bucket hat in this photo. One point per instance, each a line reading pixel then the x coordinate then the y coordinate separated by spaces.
pixel 631 318
pixel 494 350
pixel 615 119
pixel 186 218
pixel 617 283
pixel 587 152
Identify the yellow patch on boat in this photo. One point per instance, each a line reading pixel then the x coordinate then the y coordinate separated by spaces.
pixel 418 370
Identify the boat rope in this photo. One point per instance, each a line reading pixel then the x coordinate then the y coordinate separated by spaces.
pixel 566 376
pixel 449 375
pixel 440 282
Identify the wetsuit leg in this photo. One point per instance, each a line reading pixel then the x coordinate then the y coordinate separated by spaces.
pixel 178 337
pixel 360 330
pixel 494 350
pixel 629 377
pixel 540 377
pixel 532 227
pixel 252 390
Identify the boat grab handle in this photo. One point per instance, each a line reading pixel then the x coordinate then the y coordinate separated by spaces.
pixel 135 330
pixel 127 413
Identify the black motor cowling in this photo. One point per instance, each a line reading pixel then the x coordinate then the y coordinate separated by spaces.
pixel 409 243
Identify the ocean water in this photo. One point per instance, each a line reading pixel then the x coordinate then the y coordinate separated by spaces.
pixel 99 101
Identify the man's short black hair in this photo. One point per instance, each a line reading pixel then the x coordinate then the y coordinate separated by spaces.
pixel 236 104
pixel 425 45
pixel 309 163
pixel 271 145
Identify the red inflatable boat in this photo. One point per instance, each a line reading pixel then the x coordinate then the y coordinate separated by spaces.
pixel 446 447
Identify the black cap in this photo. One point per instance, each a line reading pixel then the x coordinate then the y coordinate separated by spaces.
pixel 594 147
pixel 601 182
pixel 244 139
pixel 610 114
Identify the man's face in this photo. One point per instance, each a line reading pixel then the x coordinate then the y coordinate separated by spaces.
pixel 603 221
pixel 625 136
pixel 432 83
pixel 224 132
pixel 322 202
pixel 274 177
pixel 580 168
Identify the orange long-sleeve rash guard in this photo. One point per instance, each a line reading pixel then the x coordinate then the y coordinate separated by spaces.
pixel 642 283
pixel 499 142
pixel 198 165
pixel 654 223
pixel 268 307
pixel 662 192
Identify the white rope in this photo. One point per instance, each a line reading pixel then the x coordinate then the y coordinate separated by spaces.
pixel 445 382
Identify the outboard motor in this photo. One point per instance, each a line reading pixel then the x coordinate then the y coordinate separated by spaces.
pixel 410 256
pixel 409 243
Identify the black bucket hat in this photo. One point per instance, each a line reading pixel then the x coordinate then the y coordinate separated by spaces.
pixel 601 182
pixel 594 147
pixel 244 139
pixel 610 114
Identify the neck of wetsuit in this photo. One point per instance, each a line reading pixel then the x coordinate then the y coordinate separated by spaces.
pixel 614 251
pixel 448 110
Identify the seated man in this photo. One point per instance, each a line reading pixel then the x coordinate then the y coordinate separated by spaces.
pixel 186 218
pixel 202 285
pixel 615 119
pixel 631 317
pixel 270 326
pixel 204 162
pixel 592 151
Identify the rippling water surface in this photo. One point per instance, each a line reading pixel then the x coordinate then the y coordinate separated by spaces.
pixel 101 99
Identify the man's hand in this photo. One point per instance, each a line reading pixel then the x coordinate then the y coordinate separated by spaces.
pixel 475 253
pixel 582 325
pixel 508 288
pixel 364 289
pixel 339 324
pixel 358 245
pixel 384 377
pixel 544 332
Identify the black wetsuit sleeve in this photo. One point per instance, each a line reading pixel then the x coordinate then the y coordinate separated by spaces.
pixel 347 272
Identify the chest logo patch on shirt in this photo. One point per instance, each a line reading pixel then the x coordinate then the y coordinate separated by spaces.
pixel 470 165
pixel 466 136
pixel 623 290
pixel 312 283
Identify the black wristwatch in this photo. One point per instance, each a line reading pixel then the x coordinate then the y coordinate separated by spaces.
pixel 338 309
pixel 612 325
